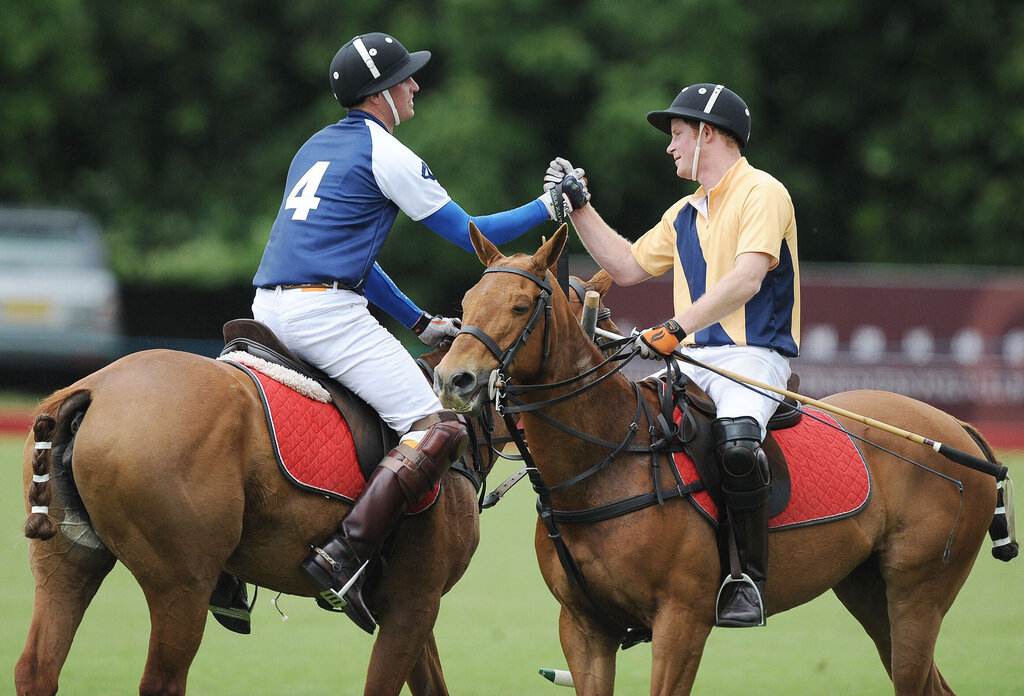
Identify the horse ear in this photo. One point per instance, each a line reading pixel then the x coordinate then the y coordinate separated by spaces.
pixel 485 250
pixel 601 282
pixel 548 254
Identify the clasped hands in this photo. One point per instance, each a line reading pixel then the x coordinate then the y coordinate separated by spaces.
pixel 575 193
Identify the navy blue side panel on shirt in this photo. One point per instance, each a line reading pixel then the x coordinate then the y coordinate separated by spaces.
pixel 695 269
pixel 775 300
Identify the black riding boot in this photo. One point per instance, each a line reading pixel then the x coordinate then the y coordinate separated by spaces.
pixel 745 487
pixel 402 478
pixel 229 604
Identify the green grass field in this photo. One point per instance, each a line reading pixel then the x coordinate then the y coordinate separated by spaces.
pixel 498 626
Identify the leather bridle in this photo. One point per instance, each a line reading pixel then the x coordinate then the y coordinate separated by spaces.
pixel 505 357
pixel 508 406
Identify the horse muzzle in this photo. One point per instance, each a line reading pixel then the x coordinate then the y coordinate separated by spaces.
pixel 462 390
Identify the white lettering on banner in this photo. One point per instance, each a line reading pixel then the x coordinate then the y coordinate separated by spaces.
pixel 994 387
pixel 1013 347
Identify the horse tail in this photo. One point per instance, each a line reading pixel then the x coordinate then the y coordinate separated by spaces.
pixel 1002 530
pixel 53 430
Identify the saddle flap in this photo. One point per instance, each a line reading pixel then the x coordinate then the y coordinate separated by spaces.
pixel 372 437
pixel 701 447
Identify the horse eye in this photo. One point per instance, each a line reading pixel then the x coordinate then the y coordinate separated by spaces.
pixel 520 309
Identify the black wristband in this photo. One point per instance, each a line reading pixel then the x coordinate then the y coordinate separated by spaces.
pixel 675 329
pixel 421 323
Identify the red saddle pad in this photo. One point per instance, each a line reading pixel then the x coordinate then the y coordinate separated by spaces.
pixel 313 443
pixel 830 478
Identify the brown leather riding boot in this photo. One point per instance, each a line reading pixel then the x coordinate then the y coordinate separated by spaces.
pixel 745 487
pixel 402 478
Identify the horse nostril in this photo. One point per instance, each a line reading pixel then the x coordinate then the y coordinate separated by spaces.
pixel 463 382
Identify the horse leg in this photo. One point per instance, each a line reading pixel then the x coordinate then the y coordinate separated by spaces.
pixel 677 645
pixel 66 581
pixel 177 616
pixel 426 678
pixel 863 594
pixel 916 610
pixel 590 653
pixel 406 628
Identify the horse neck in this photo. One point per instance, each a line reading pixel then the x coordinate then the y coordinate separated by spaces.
pixel 604 412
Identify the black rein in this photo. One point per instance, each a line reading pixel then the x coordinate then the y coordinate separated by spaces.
pixel 508 406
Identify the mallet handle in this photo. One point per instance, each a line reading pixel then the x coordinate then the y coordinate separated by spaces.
pixel 589 320
pixel 950 453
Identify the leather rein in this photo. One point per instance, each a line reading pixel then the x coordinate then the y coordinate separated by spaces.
pixel 665 436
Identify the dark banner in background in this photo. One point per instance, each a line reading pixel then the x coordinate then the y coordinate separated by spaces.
pixel 953 338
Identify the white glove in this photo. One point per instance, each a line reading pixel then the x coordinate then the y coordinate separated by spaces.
pixel 433 330
pixel 545 198
pixel 558 169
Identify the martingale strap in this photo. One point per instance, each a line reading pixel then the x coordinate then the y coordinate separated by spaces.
pixel 550 517
pixel 660 443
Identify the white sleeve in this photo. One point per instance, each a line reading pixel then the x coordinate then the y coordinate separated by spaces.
pixel 405 178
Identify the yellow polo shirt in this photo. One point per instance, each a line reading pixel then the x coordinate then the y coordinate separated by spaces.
pixel 748 210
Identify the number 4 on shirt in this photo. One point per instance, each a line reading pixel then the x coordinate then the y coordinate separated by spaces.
pixel 303 197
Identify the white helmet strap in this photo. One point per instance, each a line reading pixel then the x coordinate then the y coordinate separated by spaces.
pixel 696 152
pixel 707 109
pixel 375 73
pixel 391 103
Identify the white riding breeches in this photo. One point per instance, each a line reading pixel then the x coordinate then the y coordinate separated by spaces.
pixel 734 400
pixel 333 330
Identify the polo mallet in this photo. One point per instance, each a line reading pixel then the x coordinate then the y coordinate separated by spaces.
pixel 951 453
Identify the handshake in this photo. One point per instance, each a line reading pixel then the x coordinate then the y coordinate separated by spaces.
pixel 562 178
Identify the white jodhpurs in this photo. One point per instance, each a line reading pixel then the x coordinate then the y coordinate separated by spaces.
pixel 333 330
pixel 737 400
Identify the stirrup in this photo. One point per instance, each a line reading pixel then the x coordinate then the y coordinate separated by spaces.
pixel 234 611
pixel 743 579
pixel 336 598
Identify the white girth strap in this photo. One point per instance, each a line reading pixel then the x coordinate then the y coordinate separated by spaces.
pixel 372 66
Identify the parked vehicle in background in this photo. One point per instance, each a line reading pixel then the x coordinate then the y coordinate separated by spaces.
pixel 59 299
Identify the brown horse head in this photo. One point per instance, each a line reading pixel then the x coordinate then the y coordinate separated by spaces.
pixel 512 318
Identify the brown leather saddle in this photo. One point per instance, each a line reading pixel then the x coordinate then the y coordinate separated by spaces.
pixel 695 434
pixel 371 435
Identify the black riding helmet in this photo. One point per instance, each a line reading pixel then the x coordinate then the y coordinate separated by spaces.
pixel 714 104
pixel 371 63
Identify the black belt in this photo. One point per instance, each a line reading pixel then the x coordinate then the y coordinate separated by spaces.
pixel 336 284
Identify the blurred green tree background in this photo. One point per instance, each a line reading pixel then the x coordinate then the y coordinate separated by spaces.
pixel 897 127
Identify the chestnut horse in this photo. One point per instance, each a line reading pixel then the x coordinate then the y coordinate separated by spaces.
pixel 163 461
pixel 897 565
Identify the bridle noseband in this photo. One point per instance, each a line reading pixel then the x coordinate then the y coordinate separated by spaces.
pixel 505 357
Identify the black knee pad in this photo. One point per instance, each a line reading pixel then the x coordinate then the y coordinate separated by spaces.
pixel 738 446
